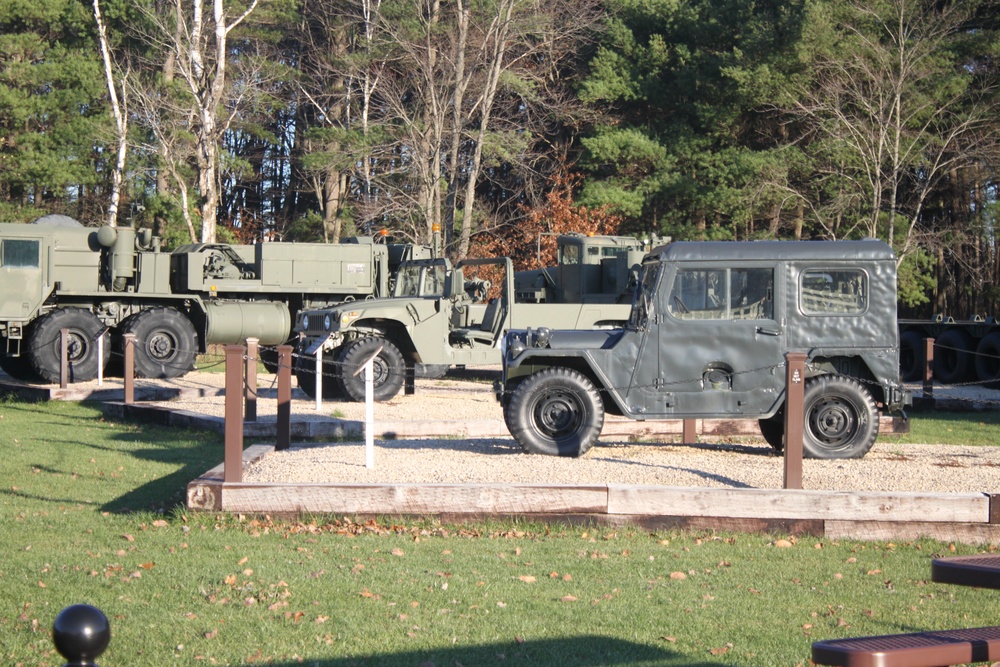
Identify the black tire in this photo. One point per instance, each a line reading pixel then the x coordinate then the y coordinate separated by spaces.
pixel 557 412
pixel 841 419
pixel 773 430
pixel 431 371
pixel 911 356
pixel 988 360
pixel 19 368
pixel 166 343
pixel 388 369
pixel 84 328
pixel 304 367
pixel 953 356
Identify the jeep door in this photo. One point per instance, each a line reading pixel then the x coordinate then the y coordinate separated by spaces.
pixel 721 339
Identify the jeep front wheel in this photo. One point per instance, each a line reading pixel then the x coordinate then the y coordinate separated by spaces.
pixel 388 370
pixel 841 420
pixel 557 412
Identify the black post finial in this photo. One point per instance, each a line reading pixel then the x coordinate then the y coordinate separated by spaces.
pixel 81 633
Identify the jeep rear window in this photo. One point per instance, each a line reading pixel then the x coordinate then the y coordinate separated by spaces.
pixel 20 253
pixel 840 292
pixel 723 294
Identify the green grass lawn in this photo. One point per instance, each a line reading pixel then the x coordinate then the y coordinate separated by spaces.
pixel 92 511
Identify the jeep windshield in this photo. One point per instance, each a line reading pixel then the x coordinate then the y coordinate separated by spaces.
pixel 642 305
pixel 421 279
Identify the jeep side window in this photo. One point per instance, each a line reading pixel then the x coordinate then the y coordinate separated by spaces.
pixel 841 292
pixel 20 253
pixel 723 294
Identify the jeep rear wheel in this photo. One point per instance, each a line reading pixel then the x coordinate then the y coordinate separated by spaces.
pixel 773 430
pixel 388 370
pixel 45 345
pixel 557 412
pixel 841 420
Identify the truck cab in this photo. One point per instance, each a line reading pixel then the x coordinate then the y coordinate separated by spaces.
pixel 706 338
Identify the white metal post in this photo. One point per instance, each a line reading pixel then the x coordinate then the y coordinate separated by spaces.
pixel 319 377
pixel 369 414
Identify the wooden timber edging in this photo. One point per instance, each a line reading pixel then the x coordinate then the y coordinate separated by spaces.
pixel 961 517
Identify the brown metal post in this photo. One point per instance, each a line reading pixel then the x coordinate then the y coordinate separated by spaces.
pixel 250 396
pixel 689 435
pixel 63 358
pixel 284 397
pixel 233 457
pixel 929 372
pixel 795 380
pixel 129 371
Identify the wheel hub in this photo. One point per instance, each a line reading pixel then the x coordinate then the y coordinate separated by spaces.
pixel 557 414
pixel 160 346
pixel 833 421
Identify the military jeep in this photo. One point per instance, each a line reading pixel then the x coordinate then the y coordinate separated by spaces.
pixel 706 338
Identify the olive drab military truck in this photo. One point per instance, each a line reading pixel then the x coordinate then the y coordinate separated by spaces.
pixel 442 315
pixel 100 284
pixel 706 338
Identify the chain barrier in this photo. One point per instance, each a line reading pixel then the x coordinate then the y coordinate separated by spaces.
pixel 333 369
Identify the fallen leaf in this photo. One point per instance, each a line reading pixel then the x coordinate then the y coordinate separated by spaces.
pixel 721 650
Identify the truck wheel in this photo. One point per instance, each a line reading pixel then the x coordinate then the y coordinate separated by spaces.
pixel 19 368
pixel 911 356
pixel 841 420
pixel 988 360
pixel 388 370
pixel 84 328
pixel 304 367
pixel 166 343
pixel 557 412
pixel 952 356
pixel 773 430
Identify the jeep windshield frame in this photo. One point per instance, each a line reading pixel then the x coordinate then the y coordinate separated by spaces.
pixel 643 303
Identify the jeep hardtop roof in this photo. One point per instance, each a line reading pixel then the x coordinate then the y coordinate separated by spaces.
pixel 678 251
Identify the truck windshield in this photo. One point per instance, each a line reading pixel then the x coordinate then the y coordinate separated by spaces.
pixel 642 305
pixel 420 280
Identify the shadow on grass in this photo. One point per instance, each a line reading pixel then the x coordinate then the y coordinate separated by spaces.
pixel 581 651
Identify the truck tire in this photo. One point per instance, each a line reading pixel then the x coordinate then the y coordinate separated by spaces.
pixel 304 367
pixel 988 360
pixel 556 411
pixel 166 343
pixel 911 356
pixel 952 356
pixel 19 368
pixel 388 370
pixel 841 420
pixel 84 329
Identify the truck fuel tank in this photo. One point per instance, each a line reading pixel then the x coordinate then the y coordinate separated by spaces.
pixel 231 323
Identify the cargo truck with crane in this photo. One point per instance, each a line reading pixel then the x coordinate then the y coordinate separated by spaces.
pixel 102 283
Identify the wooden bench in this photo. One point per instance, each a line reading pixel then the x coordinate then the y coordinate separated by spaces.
pixel 934 648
